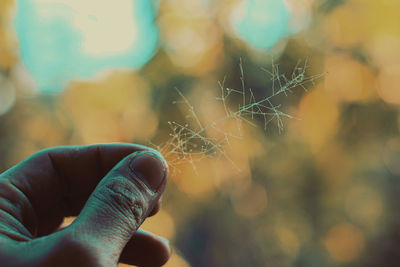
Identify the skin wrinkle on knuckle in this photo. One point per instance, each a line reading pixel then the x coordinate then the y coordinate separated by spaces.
pixel 127 198
pixel 12 227
pixel 11 207
pixel 15 203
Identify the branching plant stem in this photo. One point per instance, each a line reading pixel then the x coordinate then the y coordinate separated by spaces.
pixel 189 142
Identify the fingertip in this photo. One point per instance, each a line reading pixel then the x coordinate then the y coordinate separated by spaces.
pixel 150 167
pixel 156 208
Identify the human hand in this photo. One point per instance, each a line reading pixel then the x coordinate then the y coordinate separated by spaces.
pixel 39 192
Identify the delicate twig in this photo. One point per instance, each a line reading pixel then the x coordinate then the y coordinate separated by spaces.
pixel 190 144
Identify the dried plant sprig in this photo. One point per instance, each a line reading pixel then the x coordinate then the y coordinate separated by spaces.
pixel 189 142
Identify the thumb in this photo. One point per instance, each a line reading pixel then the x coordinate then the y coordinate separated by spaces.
pixel 120 203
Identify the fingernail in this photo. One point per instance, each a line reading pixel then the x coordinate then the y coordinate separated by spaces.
pixel 150 168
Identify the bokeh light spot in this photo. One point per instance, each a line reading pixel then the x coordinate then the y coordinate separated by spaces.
pixel 364 205
pixel 7 95
pixel 348 79
pixel 301 15
pixel 288 240
pixel 198 182
pixel 23 81
pixel 250 202
pixel 389 80
pixel 162 225
pixel 262 23
pixel 189 35
pixel 319 115
pixel 385 49
pixel 61 40
pixel 115 108
pixel 339 26
pixel 344 242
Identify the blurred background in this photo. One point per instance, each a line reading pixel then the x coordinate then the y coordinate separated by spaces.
pixel 324 192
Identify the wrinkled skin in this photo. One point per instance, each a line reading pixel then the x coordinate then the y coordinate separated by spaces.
pixel 111 188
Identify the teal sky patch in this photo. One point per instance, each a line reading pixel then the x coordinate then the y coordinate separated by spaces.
pixel 62 40
pixel 263 22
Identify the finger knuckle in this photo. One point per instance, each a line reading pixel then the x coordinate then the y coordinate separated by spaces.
pixel 124 196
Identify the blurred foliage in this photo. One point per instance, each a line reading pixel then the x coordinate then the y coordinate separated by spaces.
pixel 328 5
pixel 323 193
